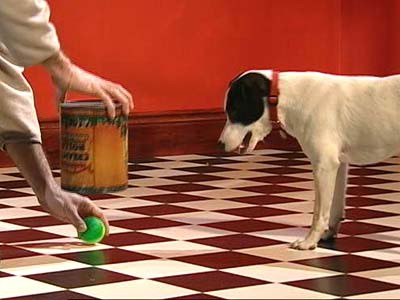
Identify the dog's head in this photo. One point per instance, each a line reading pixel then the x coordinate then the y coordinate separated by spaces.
pixel 247 112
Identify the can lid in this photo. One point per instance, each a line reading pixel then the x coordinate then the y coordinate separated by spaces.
pixel 96 104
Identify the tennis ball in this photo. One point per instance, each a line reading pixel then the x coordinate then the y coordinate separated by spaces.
pixel 95 230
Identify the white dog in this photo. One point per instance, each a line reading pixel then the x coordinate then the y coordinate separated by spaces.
pixel 337 120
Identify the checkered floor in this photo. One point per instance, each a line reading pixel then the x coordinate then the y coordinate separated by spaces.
pixel 204 227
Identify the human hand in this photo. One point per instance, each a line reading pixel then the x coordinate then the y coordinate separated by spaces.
pixel 67 76
pixel 71 208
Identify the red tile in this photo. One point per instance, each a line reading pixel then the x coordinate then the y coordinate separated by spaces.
pixel 36 221
pixel 357 228
pixel 13 194
pixel 205 169
pixel 132 238
pixel 81 277
pixel 367 172
pixel 278 179
pixel 14 184
pixel 196 297
pixel 362 180
pixel 365 201
pixel 264 200
pixel 185 187
pixel 105 256
pixel 288 162
pixel 344 285
pixel 145 223
pixel 354 244
pixel 210 281
pixel 214 161
pixel 172 198
pixel 283 170
pixel 236 241
pixel 2 274
pixel 223 260
pixel 271 189
pixel 159 210
pixel 256 212
pixel 10 252
pixel 365 190
pixel 25 235
pixel 102 196
pixel 289 155
pixel 63 295
pixel 196 178
pixel 347 263
pixel 246 225
pixel 360 213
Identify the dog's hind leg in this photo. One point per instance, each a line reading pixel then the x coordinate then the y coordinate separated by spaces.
pixel 338 204
pixel 325 167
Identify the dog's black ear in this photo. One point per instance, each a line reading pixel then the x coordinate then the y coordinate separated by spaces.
pixel 246 96
pixel 235 78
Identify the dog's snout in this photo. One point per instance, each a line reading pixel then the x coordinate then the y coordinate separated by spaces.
pixel 221 145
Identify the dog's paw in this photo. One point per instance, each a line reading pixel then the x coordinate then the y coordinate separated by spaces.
pixel 303 245
pixel 328 235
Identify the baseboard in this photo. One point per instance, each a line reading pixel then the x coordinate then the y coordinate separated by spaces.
pixel 165 133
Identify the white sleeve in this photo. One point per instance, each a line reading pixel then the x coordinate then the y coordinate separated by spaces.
pixel 26 35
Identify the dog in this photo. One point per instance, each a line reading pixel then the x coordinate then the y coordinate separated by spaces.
pixel 336 119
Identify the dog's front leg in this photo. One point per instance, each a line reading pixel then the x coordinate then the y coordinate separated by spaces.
pixel 325 171
pixel 338 204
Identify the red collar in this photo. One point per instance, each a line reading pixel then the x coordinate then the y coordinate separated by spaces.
pixel 273 99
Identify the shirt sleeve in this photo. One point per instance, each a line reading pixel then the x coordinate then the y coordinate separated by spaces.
pixel 26 35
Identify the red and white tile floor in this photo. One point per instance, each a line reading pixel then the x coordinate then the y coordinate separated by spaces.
pixel 205 227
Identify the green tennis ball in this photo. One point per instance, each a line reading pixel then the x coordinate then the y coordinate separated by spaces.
pixel 95 230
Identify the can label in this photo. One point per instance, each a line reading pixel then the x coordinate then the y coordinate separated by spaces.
pixel 94 156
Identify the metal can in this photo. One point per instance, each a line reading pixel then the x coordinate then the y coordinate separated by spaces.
pixel 94 148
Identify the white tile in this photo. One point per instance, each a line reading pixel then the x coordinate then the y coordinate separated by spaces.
pixel 201 217
pixel 233 183
pixel 246 166
pixel 393 294
pixel 16 213
pixel 154 268
pixel 172 164
pixel 140 191
pixel 38 265
pixel 389 236
pixel 117 203
pixel 299 220
pixel 389 254
pixel 281 272
pixel 16 286
pixel 135 289
pixel 4 226
pixel 187 232
pixel 287 235
pixel 302 195
pixel 114 214
pixel 163 173
pixel 148 182
pixel 223 193
pixel 270 291
pixel 390 275
pixel 172 249
pixel 394 186
pixel 210 205
pixel 186 157
pixel 239 174
pixel 59 246
pixel 283 252
pixel 387 221
pixel 299 206
pixel 20 201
